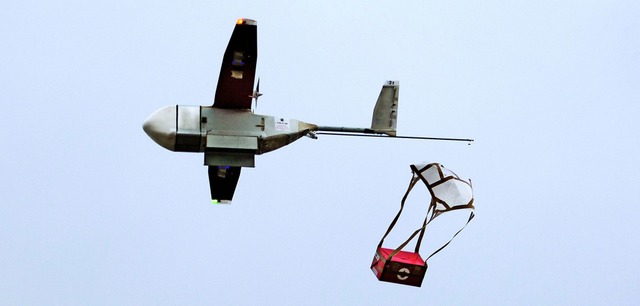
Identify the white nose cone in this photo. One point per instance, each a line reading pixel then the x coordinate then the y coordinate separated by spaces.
pixel 161 127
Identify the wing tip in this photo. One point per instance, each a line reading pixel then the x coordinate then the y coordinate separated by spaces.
pixel 217 202
pixel 246 21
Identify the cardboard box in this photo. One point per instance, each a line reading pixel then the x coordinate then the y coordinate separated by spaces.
pixel 406 268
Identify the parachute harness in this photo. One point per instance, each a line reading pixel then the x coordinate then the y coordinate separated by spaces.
pixel 448 193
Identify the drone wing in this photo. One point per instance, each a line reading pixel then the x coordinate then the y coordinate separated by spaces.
pixel 238 71
pixel 222 182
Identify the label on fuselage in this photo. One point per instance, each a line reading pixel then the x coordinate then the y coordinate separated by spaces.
pixel 282 125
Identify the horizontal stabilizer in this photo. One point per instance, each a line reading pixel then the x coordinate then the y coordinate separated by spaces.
pixel 222 182
pixel 385 114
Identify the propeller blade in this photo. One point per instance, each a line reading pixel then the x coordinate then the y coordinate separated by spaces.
pixel 256 93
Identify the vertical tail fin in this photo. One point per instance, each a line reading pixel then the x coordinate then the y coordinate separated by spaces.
pixel 385 114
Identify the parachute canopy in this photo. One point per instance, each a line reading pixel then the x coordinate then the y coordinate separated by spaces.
pixel 448 191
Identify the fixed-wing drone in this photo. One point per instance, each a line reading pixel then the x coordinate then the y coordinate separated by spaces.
pixel 230 134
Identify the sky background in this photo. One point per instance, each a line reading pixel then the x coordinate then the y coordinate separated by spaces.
pixel 92 211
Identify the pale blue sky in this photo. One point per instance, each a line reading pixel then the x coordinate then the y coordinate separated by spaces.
pixel 94 212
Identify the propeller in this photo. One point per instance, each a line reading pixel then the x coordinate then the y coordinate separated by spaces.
pixel 256 93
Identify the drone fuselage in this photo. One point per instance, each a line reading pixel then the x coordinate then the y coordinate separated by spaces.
pixel 228 137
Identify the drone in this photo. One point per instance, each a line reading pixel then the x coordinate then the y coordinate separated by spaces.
pixel 231 134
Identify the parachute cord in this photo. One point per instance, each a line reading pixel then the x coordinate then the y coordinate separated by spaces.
pixel 395 220
pixel 454 236
pixel 432 208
